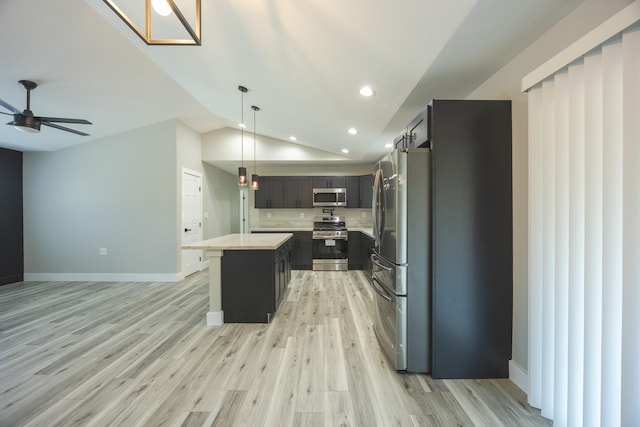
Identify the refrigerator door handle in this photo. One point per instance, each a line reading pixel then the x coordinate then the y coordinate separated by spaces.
pixel 378 206
pixel 379 289
pixel 376 260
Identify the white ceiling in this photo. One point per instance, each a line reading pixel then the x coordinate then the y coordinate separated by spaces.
pixel 303 62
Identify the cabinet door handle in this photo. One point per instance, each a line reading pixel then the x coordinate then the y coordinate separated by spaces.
pixel 186 230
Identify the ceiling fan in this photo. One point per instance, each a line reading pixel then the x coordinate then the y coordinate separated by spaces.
pixel 25 121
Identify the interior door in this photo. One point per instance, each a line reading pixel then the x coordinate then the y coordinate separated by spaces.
pixel 191 219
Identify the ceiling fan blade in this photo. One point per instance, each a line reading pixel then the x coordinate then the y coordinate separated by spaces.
pixel 62 120
pixel 10 107
pixel 8 114
pixel 51 125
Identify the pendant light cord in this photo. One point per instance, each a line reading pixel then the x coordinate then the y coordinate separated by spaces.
pixel 255 171
pixel 242 128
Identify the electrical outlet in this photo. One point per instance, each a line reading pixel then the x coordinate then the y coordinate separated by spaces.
pixel 103 251
pixel 301 214
pixel 206 214
pixel 268 214
pixel 364 214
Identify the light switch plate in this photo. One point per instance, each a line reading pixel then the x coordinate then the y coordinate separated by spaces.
pixel 103 251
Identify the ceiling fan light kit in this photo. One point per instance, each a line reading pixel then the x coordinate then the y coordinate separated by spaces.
pixel 25 121
pixel 162 21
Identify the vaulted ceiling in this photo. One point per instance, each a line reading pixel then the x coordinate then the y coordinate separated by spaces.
pixel 303 62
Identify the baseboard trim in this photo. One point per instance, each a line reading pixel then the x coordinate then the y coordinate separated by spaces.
pixel 215 318
pixel 101 277
pixel 519 376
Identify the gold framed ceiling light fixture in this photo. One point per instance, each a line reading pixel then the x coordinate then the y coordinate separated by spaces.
pixel 161 22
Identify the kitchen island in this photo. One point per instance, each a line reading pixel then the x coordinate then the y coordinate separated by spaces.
pixel 248 274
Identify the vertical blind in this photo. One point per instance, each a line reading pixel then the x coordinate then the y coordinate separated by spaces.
pixel 584 237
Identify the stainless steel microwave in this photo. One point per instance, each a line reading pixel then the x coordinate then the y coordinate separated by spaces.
pixel 329 197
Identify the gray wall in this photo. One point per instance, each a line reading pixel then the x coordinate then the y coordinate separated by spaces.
pixel 221 202
pixel 505 84
pixel 117 193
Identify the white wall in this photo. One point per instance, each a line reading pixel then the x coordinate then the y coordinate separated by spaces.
pixel 505 84
pixel 117 193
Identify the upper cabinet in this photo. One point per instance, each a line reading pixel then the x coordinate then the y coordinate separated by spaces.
pixel 271 192
pixel 417 134
pixel 330 182
pixel 353 191
pixel 366 191
pixel 418 131
pixel 297 191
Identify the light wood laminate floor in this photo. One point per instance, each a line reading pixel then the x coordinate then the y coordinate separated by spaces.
pixel 125 354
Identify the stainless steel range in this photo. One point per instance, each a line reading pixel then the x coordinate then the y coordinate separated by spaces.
pixel 330 243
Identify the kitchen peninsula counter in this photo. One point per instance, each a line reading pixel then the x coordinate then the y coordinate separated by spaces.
pixel 250 271
pixel 242 242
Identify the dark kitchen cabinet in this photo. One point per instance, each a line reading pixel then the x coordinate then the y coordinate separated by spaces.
pixel 472 270
pixel 11 214
pixel 271 193
pixel 301 253
pixel 330 182
pixel 300 256
pixel 353 191
pixel 366 191
pixel 298 192
pixel 252 294
pixel 418 130
pixel 355 250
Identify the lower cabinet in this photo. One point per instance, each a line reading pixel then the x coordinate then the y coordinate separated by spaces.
pixel 301 253
pixel 301 256
pixel 355 250
pixel 253 283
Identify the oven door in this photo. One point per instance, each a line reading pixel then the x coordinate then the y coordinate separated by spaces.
pixel 330 253
pixel 333 248
pixel 390 322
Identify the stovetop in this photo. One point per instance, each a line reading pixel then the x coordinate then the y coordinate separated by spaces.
pixel 329 223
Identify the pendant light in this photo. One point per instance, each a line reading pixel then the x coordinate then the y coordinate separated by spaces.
pixel 242 171
pixel 254 176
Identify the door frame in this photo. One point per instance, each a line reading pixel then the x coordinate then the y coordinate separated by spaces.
pixel 200 265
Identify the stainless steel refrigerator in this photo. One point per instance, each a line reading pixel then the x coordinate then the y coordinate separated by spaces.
pixel 402 256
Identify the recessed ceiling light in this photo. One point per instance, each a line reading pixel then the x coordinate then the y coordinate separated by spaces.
pixel 388 145
pixel 366 91
pixel 345 151
pixel 353 131
pixel 293 138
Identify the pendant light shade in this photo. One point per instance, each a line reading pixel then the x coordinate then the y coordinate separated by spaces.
pixel 242 176
pixel 242 171
pixel 255 185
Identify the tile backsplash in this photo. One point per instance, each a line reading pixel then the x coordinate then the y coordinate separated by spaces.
pixel 303 218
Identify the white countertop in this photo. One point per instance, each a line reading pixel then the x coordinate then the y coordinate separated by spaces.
pixel 267 241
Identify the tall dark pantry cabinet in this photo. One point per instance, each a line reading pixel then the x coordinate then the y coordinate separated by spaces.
pixel 472 266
